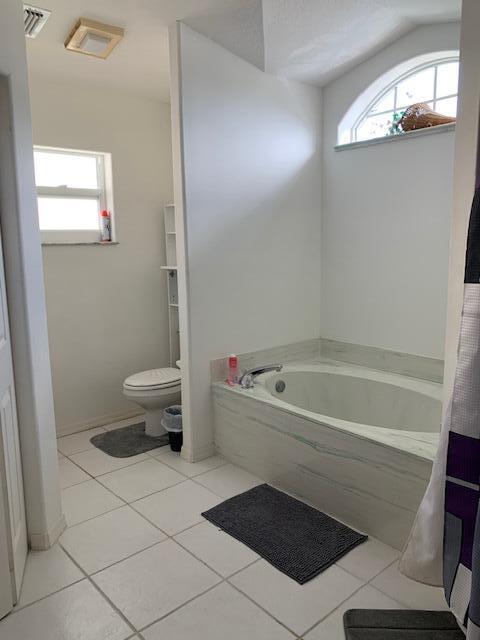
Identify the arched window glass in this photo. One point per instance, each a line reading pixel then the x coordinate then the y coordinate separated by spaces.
pixel 435 83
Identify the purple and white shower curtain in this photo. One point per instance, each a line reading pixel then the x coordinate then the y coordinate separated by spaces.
pixel 444 546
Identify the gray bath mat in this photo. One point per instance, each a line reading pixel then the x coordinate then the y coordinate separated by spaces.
pixel 295 538
pixel 127 441
pixel 373 624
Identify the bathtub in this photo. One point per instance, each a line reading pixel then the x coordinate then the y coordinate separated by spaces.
pixel 355 442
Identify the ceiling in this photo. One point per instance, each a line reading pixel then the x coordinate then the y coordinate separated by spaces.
pixel 139 64
pixel 318 40
pixel 310 40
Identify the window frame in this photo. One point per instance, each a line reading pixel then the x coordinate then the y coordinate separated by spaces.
pixel 380 87
pixel 104 195
pixel 394 86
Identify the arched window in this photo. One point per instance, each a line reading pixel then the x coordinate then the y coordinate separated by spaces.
pixel 431 79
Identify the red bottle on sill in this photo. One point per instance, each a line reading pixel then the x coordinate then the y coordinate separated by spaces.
pixel 105 226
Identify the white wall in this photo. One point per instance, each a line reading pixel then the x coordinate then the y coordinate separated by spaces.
pixel 251 189
pixel 466 158
pixel 26 299
pixel 386 220
pixel 107 306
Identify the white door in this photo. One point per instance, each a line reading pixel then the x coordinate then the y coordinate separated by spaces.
pixel 6 591
pixel 11 480
pixel 10 461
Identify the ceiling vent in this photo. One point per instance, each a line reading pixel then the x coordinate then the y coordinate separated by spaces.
pixel 34 19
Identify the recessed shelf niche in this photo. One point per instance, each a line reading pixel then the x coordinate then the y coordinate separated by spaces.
pixel 172 283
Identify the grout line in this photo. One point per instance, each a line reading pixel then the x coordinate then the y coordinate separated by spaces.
pixel 148 495
pixel 159 528
pixel 368 583
pixel 165 615
pixel 104 426
pixel 17 608
pixel 131 504
pixel 125 466
pixel 260 606
pixel 125 503
pixel 171 466
pixel 172 537
pixel 80 468
pixel 384 569
pixel 222 578
pixel 91 477
pixel 75 433
pixel 337 607
pixel 131 555
pixel 75 484
pixel 89 577
pixel 73 453
pixel 102 594
pixel 99 515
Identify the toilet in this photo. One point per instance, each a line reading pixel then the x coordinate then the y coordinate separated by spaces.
pixel 154 390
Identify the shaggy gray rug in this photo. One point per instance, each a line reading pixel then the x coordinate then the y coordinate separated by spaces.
pixel 295 538
pixel 127 441
pixel 373 624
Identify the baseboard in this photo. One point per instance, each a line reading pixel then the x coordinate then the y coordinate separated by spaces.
pixel 43 541
pixel 99 421
pixel 200 454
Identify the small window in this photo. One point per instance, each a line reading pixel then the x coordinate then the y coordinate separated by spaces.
pixel 73 187
pixel 434 82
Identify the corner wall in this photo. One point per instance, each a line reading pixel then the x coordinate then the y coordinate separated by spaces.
pixel 466 164
pixel 107 305
pixel 26 301
pixel 248 171
pixel 386 220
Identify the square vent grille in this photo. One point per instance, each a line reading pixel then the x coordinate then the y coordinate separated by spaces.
pixel 34 19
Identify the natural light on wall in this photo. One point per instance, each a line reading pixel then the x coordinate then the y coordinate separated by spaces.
pixel 434 83
pixel 73 187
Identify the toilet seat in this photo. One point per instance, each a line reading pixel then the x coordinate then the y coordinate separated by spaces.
pixel 153 379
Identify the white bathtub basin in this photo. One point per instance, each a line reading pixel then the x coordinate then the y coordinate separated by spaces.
pixel 358 399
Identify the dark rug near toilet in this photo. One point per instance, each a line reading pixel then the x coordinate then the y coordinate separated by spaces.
pixel 374 624
pixel 127 441
pixel 295 538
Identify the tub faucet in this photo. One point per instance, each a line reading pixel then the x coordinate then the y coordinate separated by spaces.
pixel 247 380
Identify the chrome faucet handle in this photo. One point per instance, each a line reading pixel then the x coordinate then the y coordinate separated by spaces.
pixel 247 380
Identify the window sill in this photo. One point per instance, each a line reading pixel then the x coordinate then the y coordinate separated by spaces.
pixel 418 133
pixel 78 244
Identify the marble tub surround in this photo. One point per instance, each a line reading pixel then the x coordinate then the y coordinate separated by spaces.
pixel 296 352
pixel 366 485
pixel 371 477
pixel 419 443
pixel 405 364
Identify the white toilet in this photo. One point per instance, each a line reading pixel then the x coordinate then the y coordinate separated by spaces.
pixel 154 390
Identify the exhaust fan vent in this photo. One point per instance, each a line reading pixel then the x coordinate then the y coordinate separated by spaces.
pixel 34 19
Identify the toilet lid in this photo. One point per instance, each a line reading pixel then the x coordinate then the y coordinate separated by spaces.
pixel 154 379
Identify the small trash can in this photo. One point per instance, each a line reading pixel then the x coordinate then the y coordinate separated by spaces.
pixel 172 422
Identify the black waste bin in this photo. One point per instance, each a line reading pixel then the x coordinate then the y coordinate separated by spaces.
pixel 172 422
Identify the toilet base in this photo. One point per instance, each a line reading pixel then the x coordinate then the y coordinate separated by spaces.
pixel 153 402
pixel 153 423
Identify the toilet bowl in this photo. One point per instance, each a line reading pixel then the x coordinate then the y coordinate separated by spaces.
pixel 154 390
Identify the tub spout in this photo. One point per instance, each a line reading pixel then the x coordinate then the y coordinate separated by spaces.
pixel 247 381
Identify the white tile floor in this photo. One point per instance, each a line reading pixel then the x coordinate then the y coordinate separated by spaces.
pixel 139 562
